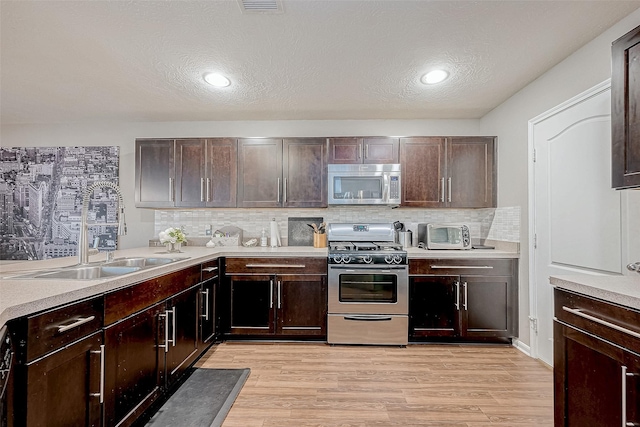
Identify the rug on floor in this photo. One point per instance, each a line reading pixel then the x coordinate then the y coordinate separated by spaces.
pixel 204 400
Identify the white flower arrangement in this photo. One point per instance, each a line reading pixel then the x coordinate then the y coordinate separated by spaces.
pixel 172 235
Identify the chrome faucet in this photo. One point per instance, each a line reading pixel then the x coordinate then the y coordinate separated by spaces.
pixel 83 240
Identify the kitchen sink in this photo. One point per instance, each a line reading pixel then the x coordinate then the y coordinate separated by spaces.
pixel 87 272
pixel 141 262
pixel 98 270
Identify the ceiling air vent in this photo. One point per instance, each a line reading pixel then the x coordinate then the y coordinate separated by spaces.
pixel 261 6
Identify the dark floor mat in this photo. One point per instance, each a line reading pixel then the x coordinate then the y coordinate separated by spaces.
pixel 203 400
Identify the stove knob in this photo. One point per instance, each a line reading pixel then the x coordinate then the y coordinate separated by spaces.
pixel 337 259
pixel 346 259
pixel 397 259
pixel 367 259
pixel 388 259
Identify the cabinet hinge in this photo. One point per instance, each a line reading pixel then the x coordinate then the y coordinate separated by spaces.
pixel 533 324
pixel 535 241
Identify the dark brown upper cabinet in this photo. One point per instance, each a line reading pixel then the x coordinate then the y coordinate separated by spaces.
pixel 287 172
pixel 363 150
pixel 457 172
pixel 155 173
pixel 186 173
pixel 625 110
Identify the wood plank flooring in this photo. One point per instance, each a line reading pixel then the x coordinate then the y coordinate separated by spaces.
pixel 305 385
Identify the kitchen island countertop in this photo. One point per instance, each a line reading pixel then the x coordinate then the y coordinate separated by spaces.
pixel 622 290
pixel 21 297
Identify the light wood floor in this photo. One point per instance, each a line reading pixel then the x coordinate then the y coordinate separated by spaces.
pixel 299 384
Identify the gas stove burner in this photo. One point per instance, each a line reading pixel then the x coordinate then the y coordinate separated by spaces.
pixel 341 246
pixel 388 246
pixel 365 246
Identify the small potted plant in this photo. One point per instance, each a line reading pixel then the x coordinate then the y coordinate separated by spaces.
pixel 172 238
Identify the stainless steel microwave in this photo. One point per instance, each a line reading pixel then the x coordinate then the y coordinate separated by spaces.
pixel 444 236
pixel 359 184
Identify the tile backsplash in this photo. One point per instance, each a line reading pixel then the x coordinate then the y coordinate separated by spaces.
pixel 494 223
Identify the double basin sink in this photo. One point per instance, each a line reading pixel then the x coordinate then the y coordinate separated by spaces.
pixel 117 267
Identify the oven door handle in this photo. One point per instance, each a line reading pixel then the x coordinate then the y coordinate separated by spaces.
pixel 369 318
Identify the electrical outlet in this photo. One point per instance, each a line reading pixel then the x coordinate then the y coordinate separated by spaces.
pixel 207 232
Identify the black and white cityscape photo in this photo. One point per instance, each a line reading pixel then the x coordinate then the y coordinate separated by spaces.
pixel 41 192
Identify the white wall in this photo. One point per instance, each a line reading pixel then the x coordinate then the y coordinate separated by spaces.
pixel 582 70
pixel 140 222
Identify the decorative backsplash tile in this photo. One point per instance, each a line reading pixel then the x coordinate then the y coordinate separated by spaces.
pixel 495 224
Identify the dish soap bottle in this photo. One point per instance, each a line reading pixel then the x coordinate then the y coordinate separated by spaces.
pixel 263 238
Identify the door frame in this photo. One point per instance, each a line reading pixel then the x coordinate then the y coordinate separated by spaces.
pixel 533 292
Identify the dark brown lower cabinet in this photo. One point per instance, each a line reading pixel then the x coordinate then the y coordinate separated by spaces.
pixel 596 363
pixel 283 305
pixel 209 303
pixel 134 368
pixel 182 318
pixel 468 299
pixel 61 388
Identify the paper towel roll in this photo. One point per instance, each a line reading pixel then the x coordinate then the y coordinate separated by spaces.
pixel 275 234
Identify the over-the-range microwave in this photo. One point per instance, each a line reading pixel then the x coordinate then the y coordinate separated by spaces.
pixel 364 184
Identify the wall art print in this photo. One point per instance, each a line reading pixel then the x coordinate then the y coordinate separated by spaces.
pixel 41 190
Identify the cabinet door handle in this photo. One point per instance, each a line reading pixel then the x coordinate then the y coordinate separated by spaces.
pixel 279 294
pixel 173 341
pixel 165 315
pixel 284 191
pixel 625 374
pixel 443 190
pixel 100 394
pixel 275 266
pixel 209 269
pixel 270 293
pixel 464 285
pixel 208 189
pixel 449 190
pixel 467 267
pixel 366 151
pixel 202 189
pixel 457 304
pixel 171 197
pixel 75 324
pixel 359 151
pixel 278 184
pixel 578 312
pixel 205 293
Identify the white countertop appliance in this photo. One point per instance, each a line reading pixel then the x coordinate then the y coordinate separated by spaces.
pixel 368 285
pixel 444 236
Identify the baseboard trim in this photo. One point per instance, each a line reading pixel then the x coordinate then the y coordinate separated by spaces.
pixel 522 347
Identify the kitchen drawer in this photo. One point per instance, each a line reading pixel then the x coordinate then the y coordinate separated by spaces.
pixel 462 267
pixel 617 324
pixel 280 265
pixel 210 269
pixel 127 301
pixel 56 328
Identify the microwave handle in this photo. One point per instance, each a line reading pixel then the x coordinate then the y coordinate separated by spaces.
pixel 385 188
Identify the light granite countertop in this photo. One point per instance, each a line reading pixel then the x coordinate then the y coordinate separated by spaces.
pixel 623 290
pixel 20 297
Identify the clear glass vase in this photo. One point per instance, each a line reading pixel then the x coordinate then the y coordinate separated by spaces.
pixel 173 247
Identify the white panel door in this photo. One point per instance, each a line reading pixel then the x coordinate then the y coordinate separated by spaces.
pixel 577 216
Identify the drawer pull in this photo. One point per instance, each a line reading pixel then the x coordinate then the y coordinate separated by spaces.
pixel 209 269
pixel 100 394
pixel 579 313
pixel 75 324
pixel 625 374
pixel 275 266
pixel 463 266
pixel 368 318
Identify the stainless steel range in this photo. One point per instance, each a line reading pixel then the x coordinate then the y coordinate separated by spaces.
pixel 368 285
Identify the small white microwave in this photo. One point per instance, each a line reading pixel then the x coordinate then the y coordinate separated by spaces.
pixel 364 184
pixel 444 236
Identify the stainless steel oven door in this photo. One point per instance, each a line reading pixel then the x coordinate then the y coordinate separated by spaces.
pixel 368 289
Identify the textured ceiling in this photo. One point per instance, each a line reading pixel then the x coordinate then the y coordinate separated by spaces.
pixel 94 61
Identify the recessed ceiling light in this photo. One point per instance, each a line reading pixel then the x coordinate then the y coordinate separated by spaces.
pixel 435 76
pixel 217 80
